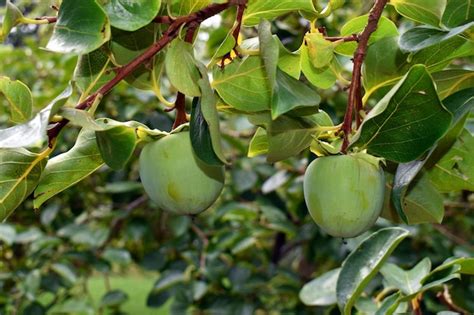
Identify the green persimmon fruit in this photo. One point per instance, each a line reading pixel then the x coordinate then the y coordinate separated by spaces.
pixel 175 179
pixel 344 193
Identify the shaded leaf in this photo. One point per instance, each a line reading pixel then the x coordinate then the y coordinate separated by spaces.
pixel 408 281
pixel 458 12
pixel 11 18
pixel 452 80
pixel 259 143
pixel 113 298
pixel 88 69
pixel 181 68
pixel 270 9
pixel 322 78
pixel 184 7
pixel 423 11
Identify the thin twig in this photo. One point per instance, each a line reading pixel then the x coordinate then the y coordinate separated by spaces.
pixel 351 38
pixel 170 34
pixel 451 236
pixel 205 243
pixel 235 33
pixel 445 298
pixel 355 100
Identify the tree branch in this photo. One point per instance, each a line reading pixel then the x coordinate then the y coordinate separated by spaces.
pixel 171 33
pixel 446 299
pixel 355 97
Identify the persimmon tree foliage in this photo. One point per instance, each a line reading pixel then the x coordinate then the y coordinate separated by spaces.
pixel 375 97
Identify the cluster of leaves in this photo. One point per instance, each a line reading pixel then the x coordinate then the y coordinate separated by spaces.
pixel 249 254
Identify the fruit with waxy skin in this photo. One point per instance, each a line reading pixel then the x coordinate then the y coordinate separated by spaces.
pixel 175 179
pixel 344 193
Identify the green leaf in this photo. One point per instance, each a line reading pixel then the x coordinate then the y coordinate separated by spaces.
pixel 270 9
pixel 7 233
pixel 65 272
pixel 181 68
pixel 321 291
pixel 452 80
pixel 184 7
pixel 466 264
pixel 12 18
pixel 126 46
pixel 422 11
pixel 385 28
pixel 259 143
pixel 168 279
pixel 208 108
pixel 269 51
pixel 19 97
pixel 439 276
pixel 389 305
pixel 288 61
pixel 458 12
pixel 116 145
pixel 20 171
pixel 421 37
pixel 363 264
pixel 200 136
pixel 90 71
pixel 408 281
pixel 131 15
pixel 407 121
pixel 320 50
pixel 243 84
pixel 322 78
pixel 455 170
pixel 79 29
pixel 421 203
pixel 292 94
pixel 288 136
pixel 33 131
pixel 117 256
pixel 114 298
pixel 67 169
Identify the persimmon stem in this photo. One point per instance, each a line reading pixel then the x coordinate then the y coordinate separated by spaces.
pixel 354 102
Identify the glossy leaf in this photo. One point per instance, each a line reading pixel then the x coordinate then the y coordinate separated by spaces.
pixel 458 12
pixel 11 18
pixel 67 169
pixel 181 68
pixel 79 29
pixel 421 37
pixel 292 94
pixel 407 121
pixel 34 131
pixel 20 171
pixel 131 15
pixel 385 28
pixel 321 291
pixel 114 298
pixel 271 9
pixel 422 11
pixel 244 84
pixel 389 305
pixel 466 264
pixel 289 61
pixel 269 51
pixel 19 97
pixel 363 264
pixel 201 137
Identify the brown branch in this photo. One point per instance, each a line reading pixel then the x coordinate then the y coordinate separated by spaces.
pixel 446 299
pixel 351 38
pixel 50 19
pixel 205 243
pixel 354 101
pixel 163 19
pixel 235 33
pixel 171 33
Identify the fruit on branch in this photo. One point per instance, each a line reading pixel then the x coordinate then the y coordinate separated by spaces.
pixel 175 179
pixel 344 193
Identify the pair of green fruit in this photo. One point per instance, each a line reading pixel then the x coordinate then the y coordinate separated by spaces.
pixel 344 193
